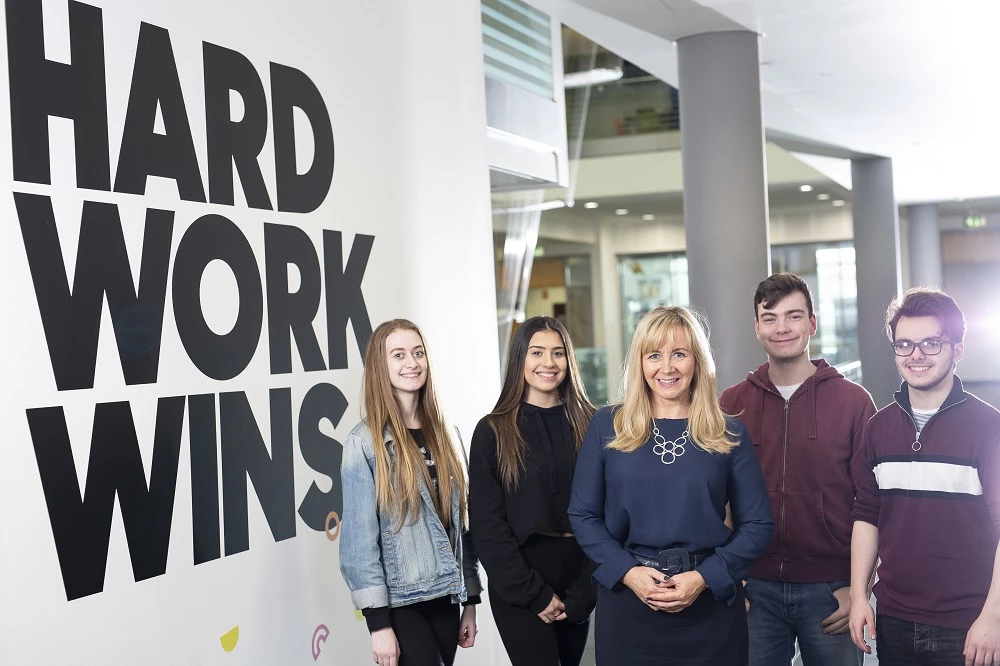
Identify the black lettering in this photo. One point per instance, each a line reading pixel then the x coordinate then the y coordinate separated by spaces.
pixel 144 153
pixel 299 193
pixel 212 237
pixel 72 320
pixel 290 313
pixel 321 452
pixel 230 142
pixel 245 454
pixel 344 300
pixel 40 88
pixel 204 477
pixel 81 523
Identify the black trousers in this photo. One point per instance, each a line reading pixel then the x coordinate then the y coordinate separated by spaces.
pixel 528 640
pixel 427 632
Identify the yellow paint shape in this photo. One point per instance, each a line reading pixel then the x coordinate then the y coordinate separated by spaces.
pixel 359 616
pixel 230 638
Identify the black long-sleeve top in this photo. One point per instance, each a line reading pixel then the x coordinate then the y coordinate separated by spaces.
pixel 500 521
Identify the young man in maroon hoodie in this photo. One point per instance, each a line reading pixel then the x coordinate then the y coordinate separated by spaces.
pixel 928 504
pixel 806 421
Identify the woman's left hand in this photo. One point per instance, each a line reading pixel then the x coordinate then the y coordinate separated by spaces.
pixel 678 592
pixel 467 629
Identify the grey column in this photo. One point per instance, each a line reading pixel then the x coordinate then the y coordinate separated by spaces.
pixel 876 246
pixel 725 190
pixel 925 246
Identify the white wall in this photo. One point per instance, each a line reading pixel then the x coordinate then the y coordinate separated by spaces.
pixel 402 84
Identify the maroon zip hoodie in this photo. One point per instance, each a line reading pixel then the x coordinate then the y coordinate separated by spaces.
pixel 805 447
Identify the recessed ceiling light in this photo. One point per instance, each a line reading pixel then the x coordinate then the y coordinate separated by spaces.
pixel 823 197
pixel 621 211
pixel 837 202
pixel 590 204
pixel 805 188
pixel 648 217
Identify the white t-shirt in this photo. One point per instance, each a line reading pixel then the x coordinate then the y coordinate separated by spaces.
pixel 787 391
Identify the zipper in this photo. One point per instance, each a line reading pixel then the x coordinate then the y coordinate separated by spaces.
pixel 781 524
pixel 916 435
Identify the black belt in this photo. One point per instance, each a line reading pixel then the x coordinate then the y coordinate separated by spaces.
pixel 673 561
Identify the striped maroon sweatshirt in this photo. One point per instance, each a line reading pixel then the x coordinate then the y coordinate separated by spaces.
pixel 935 500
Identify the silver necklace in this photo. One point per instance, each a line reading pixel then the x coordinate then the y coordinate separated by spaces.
pixel 670 451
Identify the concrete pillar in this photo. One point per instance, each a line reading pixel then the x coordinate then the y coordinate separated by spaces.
pixel 725 190
pixel 925 246
pixel 876 246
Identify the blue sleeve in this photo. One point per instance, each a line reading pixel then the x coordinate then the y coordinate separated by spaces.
pixel 360 533
pixel 752 520
pixel 586 508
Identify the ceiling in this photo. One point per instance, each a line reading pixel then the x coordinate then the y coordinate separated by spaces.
pixel 780 198
pixel 906 79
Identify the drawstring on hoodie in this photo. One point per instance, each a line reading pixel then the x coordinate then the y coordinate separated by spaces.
pixel 813 432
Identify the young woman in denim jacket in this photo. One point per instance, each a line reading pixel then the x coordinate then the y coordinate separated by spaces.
pixel 404 549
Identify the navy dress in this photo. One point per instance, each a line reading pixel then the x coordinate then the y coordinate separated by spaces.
pixel 629 505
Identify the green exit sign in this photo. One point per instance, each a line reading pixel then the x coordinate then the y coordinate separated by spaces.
pixel 975 221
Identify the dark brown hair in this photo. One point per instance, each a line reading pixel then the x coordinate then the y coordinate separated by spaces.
pixel 503 418
pixel 776 287
pixel 926 302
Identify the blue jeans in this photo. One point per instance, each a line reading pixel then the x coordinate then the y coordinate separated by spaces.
pixel 902 643
pixel 780 613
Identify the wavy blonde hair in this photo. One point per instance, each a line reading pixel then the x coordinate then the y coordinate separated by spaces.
pixel 397 491
pixel 634 417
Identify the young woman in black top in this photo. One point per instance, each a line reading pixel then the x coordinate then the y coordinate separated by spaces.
pixel 521 465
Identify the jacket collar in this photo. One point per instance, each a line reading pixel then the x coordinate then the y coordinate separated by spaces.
pixel 957 395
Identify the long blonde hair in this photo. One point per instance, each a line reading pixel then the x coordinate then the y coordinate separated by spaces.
pixel 397 490
pixel 634 417
pixel 503 418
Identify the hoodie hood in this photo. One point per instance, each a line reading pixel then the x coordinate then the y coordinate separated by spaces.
pixel 805 393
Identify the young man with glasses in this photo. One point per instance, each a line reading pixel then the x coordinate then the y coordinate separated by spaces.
pixel 928 504
pixel 805 420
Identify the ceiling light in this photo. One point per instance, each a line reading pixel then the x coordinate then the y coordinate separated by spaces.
pixel 837 202
pixel 823 197
pixel 590 204
pixel 648 217
pixel 621 211
pixel 805 188
pixel 592 77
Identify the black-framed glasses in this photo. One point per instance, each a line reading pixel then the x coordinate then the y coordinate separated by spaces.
pixel 930 347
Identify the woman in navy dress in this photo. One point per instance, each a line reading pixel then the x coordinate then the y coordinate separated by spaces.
pixel 654 478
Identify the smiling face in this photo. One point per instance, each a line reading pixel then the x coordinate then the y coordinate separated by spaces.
pixel 406 361
pixel 544 367
pixel 920 371
pixel 784 329
pixel 669 372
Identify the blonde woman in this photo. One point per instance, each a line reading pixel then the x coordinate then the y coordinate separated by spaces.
pixel 404 548
pixel 652 483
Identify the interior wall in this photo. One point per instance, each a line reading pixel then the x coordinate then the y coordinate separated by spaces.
pixel 141 539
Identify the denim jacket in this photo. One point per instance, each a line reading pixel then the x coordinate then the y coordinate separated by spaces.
pixel 385 567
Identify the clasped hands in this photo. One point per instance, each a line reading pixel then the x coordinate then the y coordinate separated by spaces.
pixel 662 592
